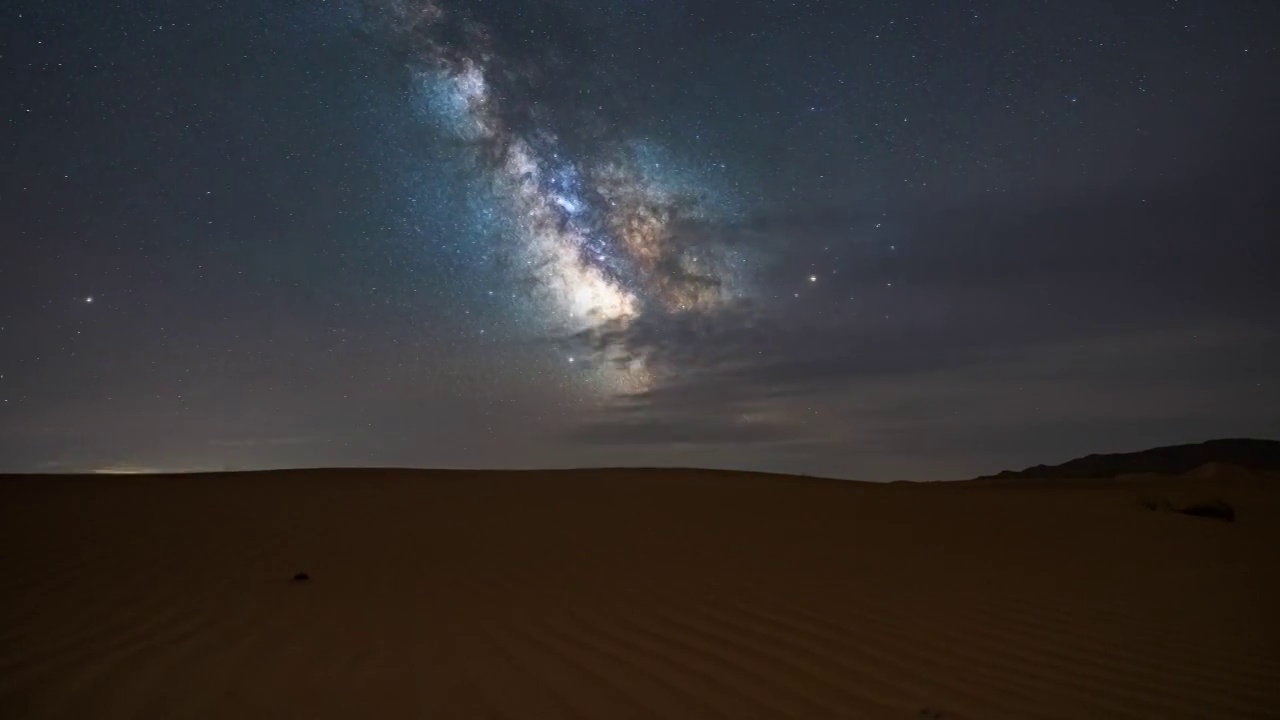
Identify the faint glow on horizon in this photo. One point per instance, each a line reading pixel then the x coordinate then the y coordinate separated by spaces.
pixel 140 470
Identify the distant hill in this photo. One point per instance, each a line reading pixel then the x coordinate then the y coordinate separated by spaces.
pixel 1171 460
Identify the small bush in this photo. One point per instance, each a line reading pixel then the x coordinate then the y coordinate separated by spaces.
pixel 1215 509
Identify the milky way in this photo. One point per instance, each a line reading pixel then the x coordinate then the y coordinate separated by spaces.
pixel 602 237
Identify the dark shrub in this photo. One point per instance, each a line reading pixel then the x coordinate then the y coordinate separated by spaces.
pixel 1215 509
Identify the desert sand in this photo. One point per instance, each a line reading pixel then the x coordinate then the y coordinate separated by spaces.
pixel 635 594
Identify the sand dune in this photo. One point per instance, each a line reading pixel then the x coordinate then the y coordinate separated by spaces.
pixel 635 594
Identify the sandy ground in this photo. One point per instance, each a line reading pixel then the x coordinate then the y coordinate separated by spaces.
pixel 627 594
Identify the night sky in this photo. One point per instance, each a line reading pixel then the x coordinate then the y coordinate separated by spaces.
pixel 880 240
